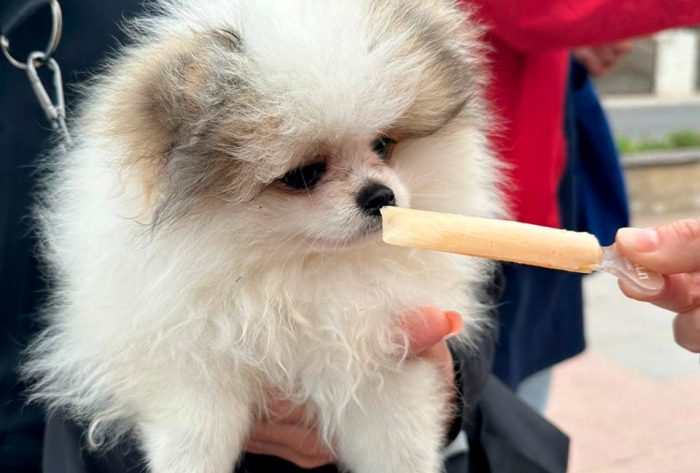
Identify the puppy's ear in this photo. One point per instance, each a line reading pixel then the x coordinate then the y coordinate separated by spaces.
pixel 178 89
pixel 155 97
pixel 442 49
pixel 160 95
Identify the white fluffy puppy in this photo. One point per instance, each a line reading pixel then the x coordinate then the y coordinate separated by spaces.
pixel 213 232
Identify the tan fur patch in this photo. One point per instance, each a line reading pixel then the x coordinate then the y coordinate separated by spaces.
pixel 146 105
pixel 439 39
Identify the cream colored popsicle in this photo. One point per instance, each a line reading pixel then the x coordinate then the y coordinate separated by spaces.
pixel 514 242
pixel 493 239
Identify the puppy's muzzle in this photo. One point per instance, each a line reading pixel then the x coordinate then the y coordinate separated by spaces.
pixel 373 197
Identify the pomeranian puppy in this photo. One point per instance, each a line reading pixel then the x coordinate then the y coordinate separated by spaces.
pixel 213 232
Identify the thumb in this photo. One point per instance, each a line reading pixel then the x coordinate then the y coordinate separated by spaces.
pixel 668 249
pixel 427 327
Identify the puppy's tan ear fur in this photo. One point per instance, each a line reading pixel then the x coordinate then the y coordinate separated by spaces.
pixel 154 104
pixel 157 98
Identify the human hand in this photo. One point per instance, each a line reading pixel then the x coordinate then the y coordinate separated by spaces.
pixel 672 250
pixel 599 60
pixel 286 433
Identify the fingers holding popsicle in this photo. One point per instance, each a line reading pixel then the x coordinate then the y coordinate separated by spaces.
pixel 673 250
pixel 669 249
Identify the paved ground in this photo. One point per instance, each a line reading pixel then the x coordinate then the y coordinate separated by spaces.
pixel 631 403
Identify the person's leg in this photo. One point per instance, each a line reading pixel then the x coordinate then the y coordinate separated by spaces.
pixel 534 390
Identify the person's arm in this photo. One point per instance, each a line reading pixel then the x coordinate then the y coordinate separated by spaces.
pixel 540 25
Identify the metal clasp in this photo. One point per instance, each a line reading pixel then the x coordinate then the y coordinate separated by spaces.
pixel 55 110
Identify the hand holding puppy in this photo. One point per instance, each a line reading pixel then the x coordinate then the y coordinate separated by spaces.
pixel 672 250
pixel 287 437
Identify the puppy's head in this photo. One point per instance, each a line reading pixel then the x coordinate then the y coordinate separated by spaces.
pixel 289 118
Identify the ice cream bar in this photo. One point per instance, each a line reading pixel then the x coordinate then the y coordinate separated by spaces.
pixel 493 239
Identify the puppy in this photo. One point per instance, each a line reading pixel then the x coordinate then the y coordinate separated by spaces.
pixel 213 233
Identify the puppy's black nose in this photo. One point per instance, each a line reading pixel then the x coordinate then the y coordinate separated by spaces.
pixel 373 197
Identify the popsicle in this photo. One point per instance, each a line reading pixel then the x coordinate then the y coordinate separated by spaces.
pixel 514 242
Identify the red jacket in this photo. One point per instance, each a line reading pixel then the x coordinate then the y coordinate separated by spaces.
pixel 530 41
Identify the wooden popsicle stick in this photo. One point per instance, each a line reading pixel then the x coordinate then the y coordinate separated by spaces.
pixel 493 239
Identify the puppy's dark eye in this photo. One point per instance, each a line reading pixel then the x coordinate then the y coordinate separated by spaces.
pixel 305 177
pixel 383 146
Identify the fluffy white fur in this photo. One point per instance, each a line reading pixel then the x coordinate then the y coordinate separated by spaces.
pixel 175 331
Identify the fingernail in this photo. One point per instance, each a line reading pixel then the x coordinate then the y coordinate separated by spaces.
pixel 642 240
pixel 456 324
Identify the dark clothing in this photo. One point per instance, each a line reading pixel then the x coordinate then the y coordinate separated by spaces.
pixel 21 428
pixel 601 192
pixel 541 321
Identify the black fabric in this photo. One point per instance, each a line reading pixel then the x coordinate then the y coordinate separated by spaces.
pixel 89 29
pixel 506 436
pixel 601 193
pixel 460 405
pixel 541 321
pixel 17 12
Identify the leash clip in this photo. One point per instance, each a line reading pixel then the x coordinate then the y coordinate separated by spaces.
pixel 55 110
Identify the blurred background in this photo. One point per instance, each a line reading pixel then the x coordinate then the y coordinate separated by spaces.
pixel 647 419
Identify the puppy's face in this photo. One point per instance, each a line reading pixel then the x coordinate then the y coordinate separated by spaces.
pixel 331 196
pixel 293 119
